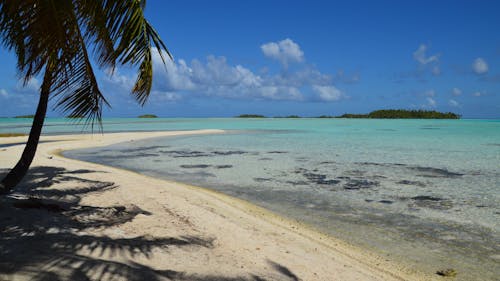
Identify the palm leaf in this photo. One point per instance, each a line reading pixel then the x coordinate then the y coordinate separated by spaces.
pixel 77 89
pixel 135 36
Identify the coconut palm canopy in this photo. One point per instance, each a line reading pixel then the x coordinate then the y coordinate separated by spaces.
pixel 57 39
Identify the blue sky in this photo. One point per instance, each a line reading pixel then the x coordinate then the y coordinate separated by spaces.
pixel 306 57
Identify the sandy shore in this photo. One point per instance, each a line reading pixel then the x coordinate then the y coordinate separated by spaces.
pixel 93 222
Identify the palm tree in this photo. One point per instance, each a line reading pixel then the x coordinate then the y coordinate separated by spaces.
pixel 52 37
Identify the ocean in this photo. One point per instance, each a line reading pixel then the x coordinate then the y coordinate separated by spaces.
pixel 425 193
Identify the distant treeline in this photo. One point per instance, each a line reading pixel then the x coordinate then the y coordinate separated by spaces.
pixel 404 114
pixel 379 114
pixel 147 116
pixel 250 116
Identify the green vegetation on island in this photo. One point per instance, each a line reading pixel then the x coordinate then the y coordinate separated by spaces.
pixel 75 116
pixel 404 114
pixel 25 116
pixel 147 116
pixel 378 114
pixel 250 116
pixel 289 116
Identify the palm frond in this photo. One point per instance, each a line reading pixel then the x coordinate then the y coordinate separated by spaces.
pixel 58 32
pixel 37 30
pixel 92 18
pixel 135 36
pixel 77 89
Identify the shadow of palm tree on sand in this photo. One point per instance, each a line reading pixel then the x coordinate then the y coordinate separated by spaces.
pixel 44 231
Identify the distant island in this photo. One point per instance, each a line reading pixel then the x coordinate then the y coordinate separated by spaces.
pixel 75 116
pixel 250 116
pixel 25 116
pixel 378 114
pixel 404 114
pixel 289 116
pixel 147 116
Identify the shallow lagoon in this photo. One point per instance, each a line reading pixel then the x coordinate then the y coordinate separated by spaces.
pixel 425 192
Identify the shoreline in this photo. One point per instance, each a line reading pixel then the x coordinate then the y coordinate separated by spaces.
pixel 199 208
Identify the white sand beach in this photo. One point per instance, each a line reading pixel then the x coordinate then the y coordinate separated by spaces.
pixel 103 223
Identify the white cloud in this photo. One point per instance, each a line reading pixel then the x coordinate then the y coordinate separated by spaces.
pixel 31 86
pixel 284 51
pixel 4 93
pixel 431 102
pixel 216 77
pixel 420 55
pixel 456 92
pixel 280 93
pixel 426 63
pixel 429 93
pixel 158 96
pixel 479 66
pixel 477 94
pixel 454 103
pixel 328 93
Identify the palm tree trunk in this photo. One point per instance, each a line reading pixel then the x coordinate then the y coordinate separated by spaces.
pixel 19 171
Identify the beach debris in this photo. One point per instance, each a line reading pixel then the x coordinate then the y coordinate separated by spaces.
pixel 105 216
pixel 448 272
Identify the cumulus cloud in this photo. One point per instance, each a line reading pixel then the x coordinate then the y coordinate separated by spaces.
pixel 425 61
pixel 284 51
pixel 159 96
pixel 421 57
pixel 480 66
pixel 328 93
pixel 216 77
pixel 477 94
pixel 31 86
pixel 453 103
pixel 4 93
pixel 431 102
pixel 456 92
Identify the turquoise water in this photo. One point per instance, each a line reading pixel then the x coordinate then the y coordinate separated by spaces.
pixel 421 192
